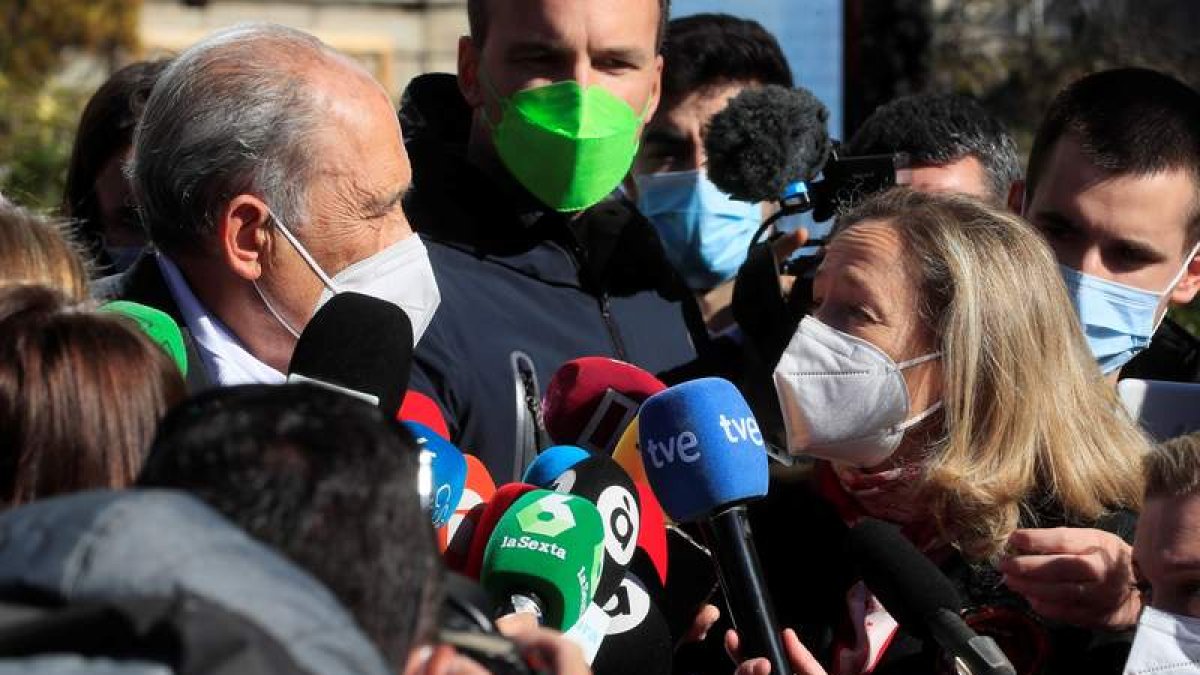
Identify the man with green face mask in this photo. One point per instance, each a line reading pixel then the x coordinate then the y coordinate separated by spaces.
pixel 539 257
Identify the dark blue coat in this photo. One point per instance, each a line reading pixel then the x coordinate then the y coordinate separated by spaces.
pixel 524 288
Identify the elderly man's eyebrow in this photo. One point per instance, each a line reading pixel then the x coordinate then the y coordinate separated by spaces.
pixel 380 205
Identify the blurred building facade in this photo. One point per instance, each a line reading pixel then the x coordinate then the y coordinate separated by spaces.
pixel 394 39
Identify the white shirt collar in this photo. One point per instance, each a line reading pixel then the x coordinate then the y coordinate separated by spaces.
pixel 225 358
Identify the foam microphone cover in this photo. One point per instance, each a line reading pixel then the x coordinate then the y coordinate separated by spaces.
pixel 496 507
pixel 359 343
pixel 157 325
pixel 765 139
pixel 702 449
pixel 907 582
pixel 552 462
pixel 652 533
pixel 628 452
pixel 418 407
pixel 548 545
pixel 589 401
pixel 443 473
pixel 477 490
pixel 602 482
pixel 638 639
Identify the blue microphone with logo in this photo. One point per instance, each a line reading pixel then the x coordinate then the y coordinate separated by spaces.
pixel 442 473
pixel 705 457
pixel 552 463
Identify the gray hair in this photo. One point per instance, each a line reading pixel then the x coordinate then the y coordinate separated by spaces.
pixel 231 115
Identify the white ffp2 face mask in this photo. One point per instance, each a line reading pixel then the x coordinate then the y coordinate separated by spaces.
pixel 842 398
pixel 400 274
pixel 1165 644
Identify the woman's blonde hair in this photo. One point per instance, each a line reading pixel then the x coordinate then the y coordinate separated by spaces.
pixel 1029 427
pixel 38 250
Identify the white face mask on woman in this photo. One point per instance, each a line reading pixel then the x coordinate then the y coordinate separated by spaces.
pixel 1165 644
pixel 400 274
pixel 843 399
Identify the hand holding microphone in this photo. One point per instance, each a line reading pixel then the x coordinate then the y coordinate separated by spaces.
pixel 545 557
pixel 705 457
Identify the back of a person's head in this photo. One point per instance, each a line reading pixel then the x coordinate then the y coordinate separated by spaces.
pixel 81 393
pixel 38 250
pixel 1173 469
pixel 937 129
pixel 1127 121
pixel 1024 403
pixel 322 477
pixel 705 50
pixel 237 112
pixel 105 132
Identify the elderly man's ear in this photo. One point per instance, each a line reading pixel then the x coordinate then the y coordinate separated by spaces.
pixel 245 236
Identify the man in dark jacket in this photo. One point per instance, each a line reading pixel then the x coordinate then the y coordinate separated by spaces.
pixel 538 260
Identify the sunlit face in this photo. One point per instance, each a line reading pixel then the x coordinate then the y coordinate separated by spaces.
pixel 962 176
pixel 1128 229
pixel 674 139
pixel 1166 553
pixel 865 287
pixel 354 199
pixel 532 43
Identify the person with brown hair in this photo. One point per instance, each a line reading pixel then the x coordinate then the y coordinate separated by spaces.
pixel 97 197
pixel 37 250
pixel 81 393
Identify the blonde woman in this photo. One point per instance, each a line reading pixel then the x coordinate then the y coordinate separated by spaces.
pixel 942 384
pixel 38 250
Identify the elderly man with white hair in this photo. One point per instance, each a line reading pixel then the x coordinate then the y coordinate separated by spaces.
pixel 269 171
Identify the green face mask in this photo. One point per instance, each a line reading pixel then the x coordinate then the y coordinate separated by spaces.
pixel 568 145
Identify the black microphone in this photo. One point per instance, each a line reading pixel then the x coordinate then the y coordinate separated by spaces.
pixel 767 145
pixel 602 481
pixel 638 639
pixel 359 345
pixel 920 597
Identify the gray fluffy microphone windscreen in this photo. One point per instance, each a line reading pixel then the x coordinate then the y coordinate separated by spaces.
pixel 766 139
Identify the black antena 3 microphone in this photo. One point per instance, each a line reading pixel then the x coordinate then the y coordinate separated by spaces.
pixel 359 345
pixel 920 597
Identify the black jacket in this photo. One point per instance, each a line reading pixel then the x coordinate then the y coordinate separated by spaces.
pixel 523 288
pixel 1173 355
pixel 808 573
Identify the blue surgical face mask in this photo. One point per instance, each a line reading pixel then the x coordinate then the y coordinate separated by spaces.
pixel 1118 320
pixel 705 233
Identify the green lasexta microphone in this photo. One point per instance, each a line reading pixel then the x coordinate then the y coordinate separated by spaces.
pixel 158 325
pixel 545 556
pixel 568 144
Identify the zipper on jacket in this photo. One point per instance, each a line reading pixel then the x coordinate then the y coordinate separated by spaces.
pixel 614 331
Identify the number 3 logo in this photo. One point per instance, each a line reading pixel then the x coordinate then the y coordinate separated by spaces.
pixel 549 516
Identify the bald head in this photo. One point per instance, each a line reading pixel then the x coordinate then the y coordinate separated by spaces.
pixel 236 113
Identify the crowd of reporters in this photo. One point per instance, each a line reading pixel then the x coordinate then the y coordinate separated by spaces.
pixel 305 383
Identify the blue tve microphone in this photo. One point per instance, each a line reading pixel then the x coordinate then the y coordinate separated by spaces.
pixel 442 473
pixel 705 457
pixel 552 463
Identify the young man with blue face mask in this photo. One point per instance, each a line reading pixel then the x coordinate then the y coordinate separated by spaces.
pixel 1114 185
pixel 708 60
pixel 540 260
